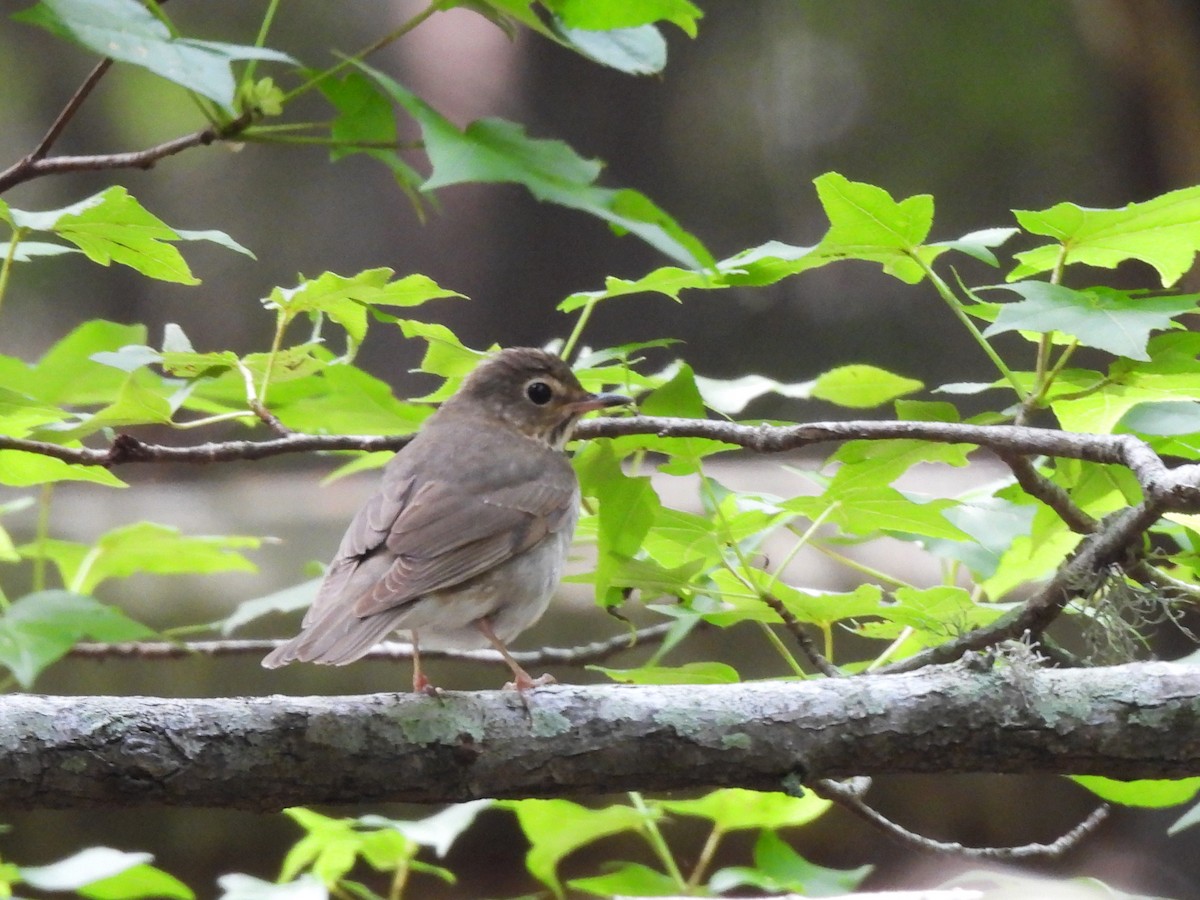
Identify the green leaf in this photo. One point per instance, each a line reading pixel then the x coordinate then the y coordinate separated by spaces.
pixel 38 629
pixel 866 223
pixel 346 400
pixel 106 874
pixel 688 673
pixel 731 396
pixel 143 547
pixel 1163 232
pixel 992 523
pixel 634 51
pixel 736 809
pixel 606 15
pixel 439 830
pixel 1099 411
pixel 21 469
pixel 113 227
pixel 1146 792
pixel 140 401
pixel 862 386
pixel 364 115
pixel 66 373
pixel 288 600
pixel 1167 417
pixel 236 886
pixel 778 869
pixel 934 614
pixel 497 151
pixel 979 244
pixel 126 31
pixel 556 828
pixel 821 608
pixel 138 881
pixel 1100 317
pixel 345 299
pixel 629 880
pixel 30 250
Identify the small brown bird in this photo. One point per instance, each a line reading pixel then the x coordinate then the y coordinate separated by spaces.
pixel 466 538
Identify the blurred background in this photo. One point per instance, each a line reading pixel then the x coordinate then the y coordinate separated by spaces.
pixel 989 107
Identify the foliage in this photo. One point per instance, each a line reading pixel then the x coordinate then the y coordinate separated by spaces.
pixel 707 567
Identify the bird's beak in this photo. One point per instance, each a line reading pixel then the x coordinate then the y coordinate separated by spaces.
pixel 599 401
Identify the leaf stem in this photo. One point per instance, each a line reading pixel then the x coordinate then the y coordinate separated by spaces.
pixel 779 645
pixel 956 307
pixel 584 314
pixel 393 35
pixel 657 843
pixel 9 258
pixel 704 860
pixel 42 535
pixel 260 39
pixel 857 566
pixel 281 324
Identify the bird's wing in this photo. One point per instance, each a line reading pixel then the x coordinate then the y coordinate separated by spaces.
pixel 446 535
pixel 365 535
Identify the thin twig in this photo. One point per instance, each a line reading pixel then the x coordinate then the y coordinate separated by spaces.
pixel 29 168
pixel 806 644
pixel 851 800
pixel 68 111
pixel 1038 486
pixel 392 650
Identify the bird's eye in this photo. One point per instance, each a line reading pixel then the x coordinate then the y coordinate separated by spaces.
pixel 539 392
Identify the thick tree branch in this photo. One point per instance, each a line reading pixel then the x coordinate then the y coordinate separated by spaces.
pixel 1109 545
pixel 1133 721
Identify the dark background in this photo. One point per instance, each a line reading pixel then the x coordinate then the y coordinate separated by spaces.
pixel 989 107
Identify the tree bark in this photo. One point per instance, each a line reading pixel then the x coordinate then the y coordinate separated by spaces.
pixel 264 753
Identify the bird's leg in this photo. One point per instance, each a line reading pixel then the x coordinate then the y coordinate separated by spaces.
pixel 521 679
pixel 421 684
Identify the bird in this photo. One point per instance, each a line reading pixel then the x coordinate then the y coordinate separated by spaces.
pixel 464 542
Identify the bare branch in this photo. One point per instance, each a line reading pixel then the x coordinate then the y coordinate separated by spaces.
pixel 851 800
pixel 30 167
pixel 1035 485
pixel 68 111
pixel 398 651
pixel 806 644
pixel 1176 489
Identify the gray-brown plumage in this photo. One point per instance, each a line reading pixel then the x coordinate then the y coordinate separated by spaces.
pixel 466 538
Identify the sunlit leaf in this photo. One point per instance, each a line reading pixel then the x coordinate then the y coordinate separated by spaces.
pixel 1163 232
pixel 1146 792
pixel 861 386
pixel 866 223
pixel 778 869
pixel 735 809
pixel 610 14
pixel 556 828
pixel 143 547
pixel 629 880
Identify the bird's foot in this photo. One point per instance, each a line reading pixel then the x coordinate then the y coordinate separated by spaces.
pixel 524 683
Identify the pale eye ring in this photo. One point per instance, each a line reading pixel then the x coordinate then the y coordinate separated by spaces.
pixel 539 392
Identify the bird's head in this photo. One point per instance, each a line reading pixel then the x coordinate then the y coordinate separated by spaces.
pixel 534 392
